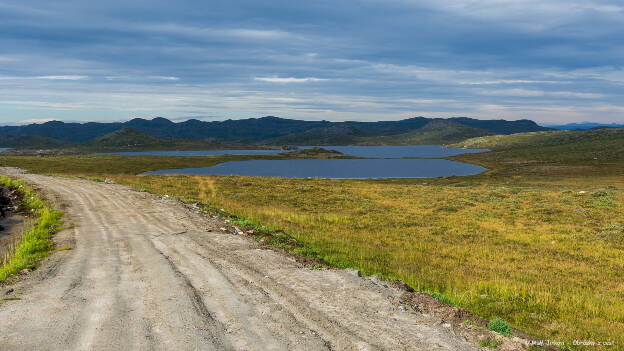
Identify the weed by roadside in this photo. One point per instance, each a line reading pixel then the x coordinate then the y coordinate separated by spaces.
pixel 500 326
pixel 35 243
pixel 489 343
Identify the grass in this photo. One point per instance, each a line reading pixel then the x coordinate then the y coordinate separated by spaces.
pixel 500 326
pixel 35 243
pixel 441 297
pixel 489 343
pixel 537 240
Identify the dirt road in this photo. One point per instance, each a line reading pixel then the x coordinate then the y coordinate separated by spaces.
pixel 147 273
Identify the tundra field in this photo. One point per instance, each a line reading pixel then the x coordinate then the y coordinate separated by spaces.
pixel 537 240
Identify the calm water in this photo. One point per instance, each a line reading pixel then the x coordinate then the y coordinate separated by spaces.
pixel 399 151
pixel 197 152
pixel 337 168
pixel 358 151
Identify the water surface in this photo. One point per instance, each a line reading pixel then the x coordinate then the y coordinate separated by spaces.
pixel 197 152
pixel 357 151
pixel 337 168
pixel 399 151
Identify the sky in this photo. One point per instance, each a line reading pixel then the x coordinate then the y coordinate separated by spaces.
pixel 552 61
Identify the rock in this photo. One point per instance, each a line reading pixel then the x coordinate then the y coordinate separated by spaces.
pixel 353 272
pixel 250 231
pixel 108 181
pixel 9 291
pixel 223 229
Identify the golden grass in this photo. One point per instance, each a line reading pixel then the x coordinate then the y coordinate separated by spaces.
pixel 520 242
pixel 541 256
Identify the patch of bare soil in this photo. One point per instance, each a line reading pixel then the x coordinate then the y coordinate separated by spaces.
pixel 460 320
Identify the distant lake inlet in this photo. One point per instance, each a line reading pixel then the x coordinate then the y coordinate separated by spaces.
pixel 378 162
pixel 336 168
pixel 356 151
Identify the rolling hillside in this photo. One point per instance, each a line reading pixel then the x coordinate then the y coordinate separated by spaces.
pixel 30 142
pixel 438 131
pixel 596 145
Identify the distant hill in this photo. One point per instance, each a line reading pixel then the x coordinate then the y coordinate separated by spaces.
pixel 437 131
pixel 30 142
pixel 257 130
pixel 130 139
pixel 585 126
pixel 590 146
pixel 125 137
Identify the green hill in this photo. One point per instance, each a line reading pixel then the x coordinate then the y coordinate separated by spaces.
pixel 257 130
pixel 577 147
pixel 30 142
pixel 126 138
pixel 334 135
pixel 438 131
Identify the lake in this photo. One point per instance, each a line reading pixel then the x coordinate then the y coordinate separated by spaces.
pixel 383 162
pixel 357 151
pixel 197 153
pixel 337 168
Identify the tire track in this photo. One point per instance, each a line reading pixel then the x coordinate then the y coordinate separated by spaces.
pixel 145 274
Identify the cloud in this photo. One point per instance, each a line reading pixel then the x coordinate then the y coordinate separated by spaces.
pixel 70 77
pixel 289 80
pixel 541 59
pixel 541 93
pixel 165 78
pixel 61 77
pixel 512 81
pixel 36 120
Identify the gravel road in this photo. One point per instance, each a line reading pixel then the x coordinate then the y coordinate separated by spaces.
pixel 147 273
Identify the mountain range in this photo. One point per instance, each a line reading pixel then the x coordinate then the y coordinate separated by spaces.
pixel 273 131
pixel 585 126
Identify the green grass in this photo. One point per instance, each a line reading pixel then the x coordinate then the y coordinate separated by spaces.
pixel 441 297
pixel 536 240
pixel 500 326
pixel 35 243
pixel 468 322
pixel 489 343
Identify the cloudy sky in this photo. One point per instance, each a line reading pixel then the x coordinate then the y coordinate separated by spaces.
pixel 553 61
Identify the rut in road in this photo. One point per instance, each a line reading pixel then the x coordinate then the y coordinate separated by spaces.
pixel 146 273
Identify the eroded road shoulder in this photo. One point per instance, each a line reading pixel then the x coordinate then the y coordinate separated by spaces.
pixel 146 273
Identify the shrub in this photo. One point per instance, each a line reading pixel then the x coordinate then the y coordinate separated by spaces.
pixel 500 326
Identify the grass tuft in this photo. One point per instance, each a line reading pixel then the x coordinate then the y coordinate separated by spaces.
pixel 35 243
pixel 500 326
pixel 489 343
